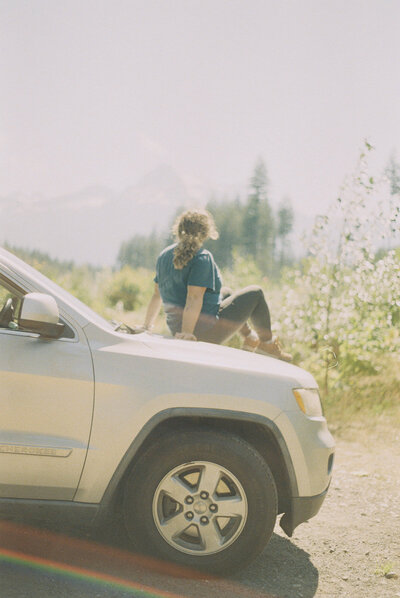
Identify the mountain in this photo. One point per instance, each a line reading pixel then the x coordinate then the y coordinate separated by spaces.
pixel 89 226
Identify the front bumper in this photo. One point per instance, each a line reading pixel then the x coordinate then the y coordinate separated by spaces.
pixel 301 509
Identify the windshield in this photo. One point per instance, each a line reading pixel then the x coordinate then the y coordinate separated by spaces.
pixel 53 288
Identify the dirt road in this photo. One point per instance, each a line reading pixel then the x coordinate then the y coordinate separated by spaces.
pixel 354 540
pixel 347 550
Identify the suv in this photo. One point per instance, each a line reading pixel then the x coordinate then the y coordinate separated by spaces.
pixel 198 446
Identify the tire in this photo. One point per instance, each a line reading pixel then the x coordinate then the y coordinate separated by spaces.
pixel 202 499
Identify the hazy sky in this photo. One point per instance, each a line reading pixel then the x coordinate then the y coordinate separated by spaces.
pixel 99 92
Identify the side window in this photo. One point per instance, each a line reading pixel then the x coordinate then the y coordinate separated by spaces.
pixel 10 306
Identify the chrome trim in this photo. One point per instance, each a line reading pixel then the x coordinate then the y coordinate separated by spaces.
pixel 38 451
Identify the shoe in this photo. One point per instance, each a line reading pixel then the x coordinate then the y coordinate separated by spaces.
pixel 273 349
pixel 251 341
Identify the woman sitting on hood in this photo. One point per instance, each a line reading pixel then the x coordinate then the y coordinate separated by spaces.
pixel 188 284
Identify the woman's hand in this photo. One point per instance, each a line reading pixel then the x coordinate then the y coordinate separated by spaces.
pixel 185 336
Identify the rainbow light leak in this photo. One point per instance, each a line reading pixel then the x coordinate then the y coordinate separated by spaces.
pixel 84 574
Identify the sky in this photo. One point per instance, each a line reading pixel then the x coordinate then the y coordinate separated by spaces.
pixel 100 92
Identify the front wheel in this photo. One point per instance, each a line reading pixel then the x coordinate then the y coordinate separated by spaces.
pixel 203 499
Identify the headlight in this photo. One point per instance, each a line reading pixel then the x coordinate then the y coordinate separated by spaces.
pixel 308 400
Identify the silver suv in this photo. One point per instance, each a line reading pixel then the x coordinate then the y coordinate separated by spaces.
pixel 199 446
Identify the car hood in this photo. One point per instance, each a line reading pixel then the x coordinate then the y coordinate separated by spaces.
pixel 208 354
pixel 228 357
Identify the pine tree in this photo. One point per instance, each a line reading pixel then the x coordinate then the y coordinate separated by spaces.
pixel 228 216
pixel 284 228
pixel 140 251
pixel 393 174
pixel 258 221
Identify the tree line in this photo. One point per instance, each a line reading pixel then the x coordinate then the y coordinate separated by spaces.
pixel 250 228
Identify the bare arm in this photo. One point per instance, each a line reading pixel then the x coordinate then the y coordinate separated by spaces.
pixel 153 309
pixel 191 312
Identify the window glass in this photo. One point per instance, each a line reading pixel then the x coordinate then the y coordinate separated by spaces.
pixel 55 289
pixel 10 304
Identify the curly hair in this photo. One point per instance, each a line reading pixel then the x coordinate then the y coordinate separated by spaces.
pixel 191 229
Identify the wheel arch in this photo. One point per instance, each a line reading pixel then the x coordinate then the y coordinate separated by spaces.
pixel 260 432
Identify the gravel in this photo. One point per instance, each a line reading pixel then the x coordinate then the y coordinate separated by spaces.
pixel 350 549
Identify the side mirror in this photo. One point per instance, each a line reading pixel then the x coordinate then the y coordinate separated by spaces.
pixel 39 313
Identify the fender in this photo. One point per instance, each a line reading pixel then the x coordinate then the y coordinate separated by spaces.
pixel 175 412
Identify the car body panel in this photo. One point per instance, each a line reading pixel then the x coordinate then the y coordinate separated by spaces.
pixel 46 404
pixel 142 375
pixel 310 444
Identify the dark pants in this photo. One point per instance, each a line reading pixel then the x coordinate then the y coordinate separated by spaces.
pixel 235 310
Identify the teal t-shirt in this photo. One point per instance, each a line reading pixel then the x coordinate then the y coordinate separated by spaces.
pixel 201 271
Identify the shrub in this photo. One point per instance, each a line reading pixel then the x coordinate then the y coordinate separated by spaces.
pixel 343 303
pixel 123 289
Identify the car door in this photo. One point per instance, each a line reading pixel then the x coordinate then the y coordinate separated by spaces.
pixel 46 406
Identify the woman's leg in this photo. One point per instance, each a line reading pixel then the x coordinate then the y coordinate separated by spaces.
pixel 245 330
pixel 246 304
